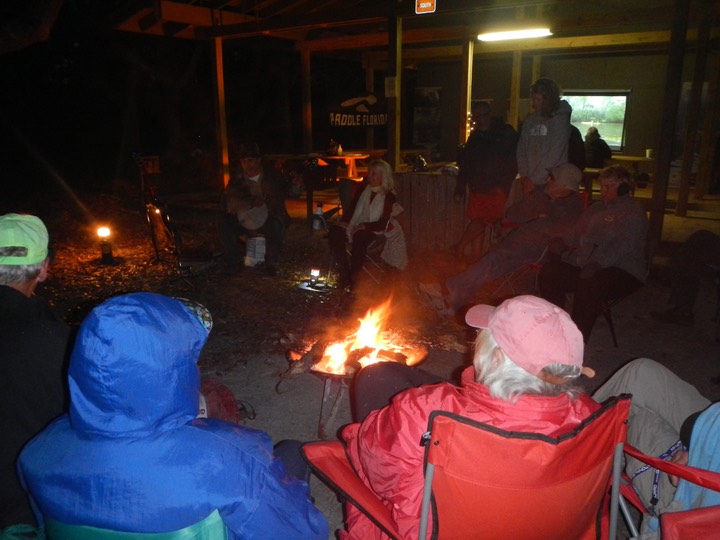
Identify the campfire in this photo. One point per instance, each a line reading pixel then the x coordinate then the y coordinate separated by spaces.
pixel 336 360
pixel 371 342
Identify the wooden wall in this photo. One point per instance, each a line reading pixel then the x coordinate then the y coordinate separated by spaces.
pixel 643 73
pixel 432 219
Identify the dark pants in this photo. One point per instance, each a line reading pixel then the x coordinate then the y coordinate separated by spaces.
pixel 348 267
pixel 229 229
pixel 696 259
pixel 288 451
pixel 558 278
pixel 375 385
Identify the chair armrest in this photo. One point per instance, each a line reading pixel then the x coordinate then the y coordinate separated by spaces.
pixel 329 461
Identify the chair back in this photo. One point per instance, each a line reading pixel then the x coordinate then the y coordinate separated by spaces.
pixel 485 481
pixel 210 528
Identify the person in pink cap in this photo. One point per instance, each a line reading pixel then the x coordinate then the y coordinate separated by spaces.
pixel 528 358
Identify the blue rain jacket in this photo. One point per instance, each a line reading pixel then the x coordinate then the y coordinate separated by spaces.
pixel 131 456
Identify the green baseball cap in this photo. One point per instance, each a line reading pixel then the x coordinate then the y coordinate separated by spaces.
pixel 23 240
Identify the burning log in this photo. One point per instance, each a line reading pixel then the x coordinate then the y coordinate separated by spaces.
pixel 304 364
pixel 368 344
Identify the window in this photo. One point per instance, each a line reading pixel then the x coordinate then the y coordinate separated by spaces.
pixel 603 109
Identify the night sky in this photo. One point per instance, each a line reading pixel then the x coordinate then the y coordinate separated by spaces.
pixel 77 107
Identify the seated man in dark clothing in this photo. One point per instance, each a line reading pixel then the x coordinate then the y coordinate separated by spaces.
pixel 697 258
pixel 604 255
pixel 253 203
pixel 597 150
pixel 33 354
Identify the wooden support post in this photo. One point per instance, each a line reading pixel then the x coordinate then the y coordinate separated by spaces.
pixel 306 102
pixel 693 114
pixel 465 89
pixel 709 129
pixel 514 113
pixel 393 86
pixel 673 81
pixel 221 120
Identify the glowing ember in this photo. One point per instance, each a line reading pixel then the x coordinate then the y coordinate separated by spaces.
pixel 369 344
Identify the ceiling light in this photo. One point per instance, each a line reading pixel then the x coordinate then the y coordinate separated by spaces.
pixel 515 34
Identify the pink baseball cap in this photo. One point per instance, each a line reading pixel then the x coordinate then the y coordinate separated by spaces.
pixel 533 332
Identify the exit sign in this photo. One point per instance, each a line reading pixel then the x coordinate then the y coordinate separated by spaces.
pixel 424 6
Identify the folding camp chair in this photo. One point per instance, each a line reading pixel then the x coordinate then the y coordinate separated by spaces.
pixel 481 481
pixel 699 524
pixel 376 261
pixel 375 265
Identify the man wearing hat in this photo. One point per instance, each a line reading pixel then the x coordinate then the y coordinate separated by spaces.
pixel 545 133
pixel 528 358
pixel 542 217
pixel 32 355
pixel 254 203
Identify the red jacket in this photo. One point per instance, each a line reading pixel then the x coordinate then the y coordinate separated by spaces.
pixel 386 453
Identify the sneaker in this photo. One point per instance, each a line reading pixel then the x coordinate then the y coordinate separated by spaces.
pixel 673 316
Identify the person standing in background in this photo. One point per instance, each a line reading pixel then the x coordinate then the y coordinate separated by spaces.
pixel 545 133
pixel 487 167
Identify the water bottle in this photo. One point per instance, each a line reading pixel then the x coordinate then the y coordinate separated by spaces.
pixel 318 217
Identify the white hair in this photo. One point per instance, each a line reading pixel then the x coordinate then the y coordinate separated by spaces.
pixel 14 274
pixel 388 180
pixel 507 381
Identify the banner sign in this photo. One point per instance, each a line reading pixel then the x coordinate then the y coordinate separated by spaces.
pixel 359 112
pixel 424 6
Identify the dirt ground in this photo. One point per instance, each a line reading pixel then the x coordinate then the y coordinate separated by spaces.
pixel 259 319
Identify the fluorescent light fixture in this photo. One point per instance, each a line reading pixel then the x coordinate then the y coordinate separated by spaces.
pixel 515 34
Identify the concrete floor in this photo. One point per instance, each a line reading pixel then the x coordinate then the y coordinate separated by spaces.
pixel 692 352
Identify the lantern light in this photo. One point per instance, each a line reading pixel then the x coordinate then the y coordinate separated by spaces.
pixel 106 254
pixel 315 282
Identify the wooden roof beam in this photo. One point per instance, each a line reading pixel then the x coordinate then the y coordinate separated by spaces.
pixel 276 25
pixel 150 20
pixel 380 39
pixel 635 39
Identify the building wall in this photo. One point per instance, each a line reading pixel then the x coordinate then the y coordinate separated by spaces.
pixel 643 74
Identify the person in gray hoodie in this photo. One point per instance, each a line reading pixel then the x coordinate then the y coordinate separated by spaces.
pixel 545 133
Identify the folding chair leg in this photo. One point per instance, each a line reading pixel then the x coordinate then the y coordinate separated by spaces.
pixel 607 313
pixel 615 491
pixel 427 494
pixel 632 528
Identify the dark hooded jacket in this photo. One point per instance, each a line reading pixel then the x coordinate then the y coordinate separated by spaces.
pixel 132 456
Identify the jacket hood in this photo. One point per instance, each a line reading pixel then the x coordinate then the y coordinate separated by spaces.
pixel 133 369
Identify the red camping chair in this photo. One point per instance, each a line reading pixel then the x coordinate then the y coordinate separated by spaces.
pixel 699 524
pixel 485 481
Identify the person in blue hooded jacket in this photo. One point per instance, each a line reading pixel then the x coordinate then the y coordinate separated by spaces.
pixel 131 454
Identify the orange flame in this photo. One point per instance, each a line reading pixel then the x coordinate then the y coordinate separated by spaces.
pixel 370 334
